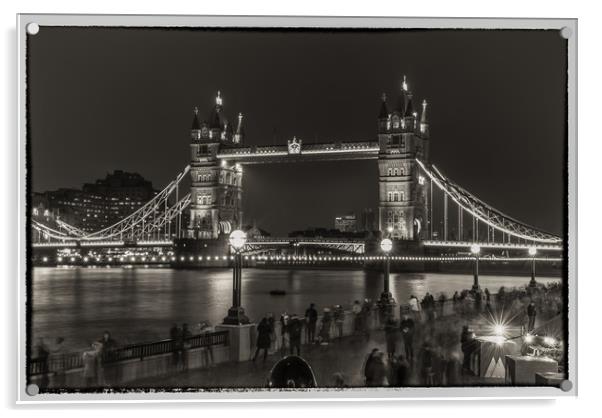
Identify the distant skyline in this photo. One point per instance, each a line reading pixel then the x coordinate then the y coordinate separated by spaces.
pixel 104 99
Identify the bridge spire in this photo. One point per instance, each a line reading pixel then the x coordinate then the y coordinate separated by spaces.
pixel 424 125
pixel 409 107
pixel 384 110
pixel 383 116
pixel 240 130
pixel 218 99
pixel 195 130
pixel 403 99
pixel 196 123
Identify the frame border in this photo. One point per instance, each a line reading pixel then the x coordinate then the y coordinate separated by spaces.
pixel 379 394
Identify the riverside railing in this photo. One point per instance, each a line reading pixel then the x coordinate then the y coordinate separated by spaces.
pixel 69 361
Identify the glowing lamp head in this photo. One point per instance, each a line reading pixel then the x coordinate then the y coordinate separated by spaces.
pixel 389 229
pixel 549 341
pixel 475 249
pixel 499 329
pixel 238 239
pixel 386 245
pixel 528 338
pixel 532 251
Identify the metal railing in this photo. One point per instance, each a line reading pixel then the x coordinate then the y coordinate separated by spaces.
pixel 69 361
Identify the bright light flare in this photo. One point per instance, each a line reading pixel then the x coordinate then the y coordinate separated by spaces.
pixel 529 338
pixel 499 329
pixel 549 341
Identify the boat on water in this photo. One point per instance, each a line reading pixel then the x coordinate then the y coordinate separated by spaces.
pixel 278 292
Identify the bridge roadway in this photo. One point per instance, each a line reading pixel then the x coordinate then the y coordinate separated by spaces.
pixel 350 245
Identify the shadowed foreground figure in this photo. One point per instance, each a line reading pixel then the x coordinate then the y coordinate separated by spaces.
pixel 292 372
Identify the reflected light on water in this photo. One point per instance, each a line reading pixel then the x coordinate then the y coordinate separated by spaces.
pixel 142 304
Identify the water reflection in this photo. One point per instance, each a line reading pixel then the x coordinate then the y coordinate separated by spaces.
pixel 141 304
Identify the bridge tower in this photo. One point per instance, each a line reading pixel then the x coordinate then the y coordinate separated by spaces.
pixel 216 185
pixel 403 191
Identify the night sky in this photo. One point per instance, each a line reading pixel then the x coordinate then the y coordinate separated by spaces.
pixel 105 99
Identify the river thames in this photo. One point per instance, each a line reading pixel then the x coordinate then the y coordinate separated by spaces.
pixel 141 304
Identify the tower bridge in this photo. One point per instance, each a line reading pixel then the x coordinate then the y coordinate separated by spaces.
pixel 417 203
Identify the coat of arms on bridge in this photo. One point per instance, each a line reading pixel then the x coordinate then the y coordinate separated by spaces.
pixel 294 146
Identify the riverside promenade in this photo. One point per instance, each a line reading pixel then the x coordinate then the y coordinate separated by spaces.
pixel 210 360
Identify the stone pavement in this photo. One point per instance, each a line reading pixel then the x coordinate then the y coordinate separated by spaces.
pixel 346 356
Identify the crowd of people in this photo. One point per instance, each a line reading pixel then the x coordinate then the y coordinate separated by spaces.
pixel 428 343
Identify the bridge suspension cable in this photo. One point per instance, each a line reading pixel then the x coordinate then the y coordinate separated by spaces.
pixel 128 226
pixel 152 219
pixel 484 212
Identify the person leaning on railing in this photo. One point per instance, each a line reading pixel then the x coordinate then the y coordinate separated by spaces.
pixel 58 357
pixel 92 365
pixel 205 330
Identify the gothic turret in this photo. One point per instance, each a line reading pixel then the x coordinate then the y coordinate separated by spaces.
pixel 216 184
pixel 402 195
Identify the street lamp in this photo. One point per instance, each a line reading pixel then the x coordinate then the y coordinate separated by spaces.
pixel 386 245
pixel 236 314
pixel 532 253
pixel 475 250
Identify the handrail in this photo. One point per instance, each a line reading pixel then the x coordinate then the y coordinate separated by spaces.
pixel 74 360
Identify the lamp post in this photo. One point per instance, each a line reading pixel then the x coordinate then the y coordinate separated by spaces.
pixel 236 314
pixel 386 245
pixel 532 253
pixel 475 250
